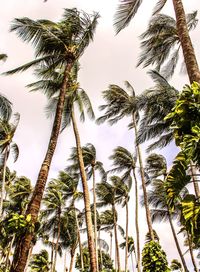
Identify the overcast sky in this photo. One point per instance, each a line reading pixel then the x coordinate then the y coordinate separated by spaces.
pixel 109 59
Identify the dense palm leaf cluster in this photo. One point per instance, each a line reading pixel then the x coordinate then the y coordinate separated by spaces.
pixel 85 197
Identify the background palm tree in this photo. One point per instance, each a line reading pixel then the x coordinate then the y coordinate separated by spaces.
pixel 57 44
pixel 40 262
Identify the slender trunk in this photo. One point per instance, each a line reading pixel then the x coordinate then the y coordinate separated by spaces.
pixel 116 239
pixel 88 218
pixel 79 243
pixel 3 180
pixel 57 241
pixel 136 222
pixel 126 247
pixel 72 260
pixel 95 217
pixel 111 236
pixel 146 204
pixel 177 243
pixel 65 258
pixel 186 44
pixel 191 252
pixel 52 255
pixel 22 248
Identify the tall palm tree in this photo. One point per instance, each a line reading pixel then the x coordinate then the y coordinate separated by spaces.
pixel 91 165
pixel 160 45
pixel 127 10
pixel 54 207
pixel 119 104
pixel 7 131
pixel 57 44
pixel 110 195
pixel 157 197
pixel 124 161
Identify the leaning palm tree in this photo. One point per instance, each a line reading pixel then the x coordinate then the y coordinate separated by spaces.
pixel 125 162
pixel 56 45
pixel 127 10
pixel 156 168
pixel 160 43
pixel 120 104
pixel 91 166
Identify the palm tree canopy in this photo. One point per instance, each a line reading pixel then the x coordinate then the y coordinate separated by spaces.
pixel 161 42
pixel 127 10
pixel 56 43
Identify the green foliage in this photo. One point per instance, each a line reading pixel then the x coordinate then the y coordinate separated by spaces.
pixel 107 264
pixel 40 262
pixel 17 223
pixel 154 258
pixel 176 265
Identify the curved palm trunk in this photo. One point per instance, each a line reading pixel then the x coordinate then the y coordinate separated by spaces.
pixel 57 242
pixel 186 44
pixel 177 243
pixel 148 215
pixel 86 195
pixel 136 222
pixel 95 217
pixel 116 239
pixel 126 248
pixel 72 253
pixel 24 244
pixel 3 180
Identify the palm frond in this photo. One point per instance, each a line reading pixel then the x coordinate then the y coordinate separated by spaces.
pixel 125 12
pixel 159 6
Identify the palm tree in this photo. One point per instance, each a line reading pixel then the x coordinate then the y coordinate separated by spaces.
pixel 127 10
pixel 120 104
pixel 157 197
pixel 54 207
pixel 57 45
pixel 7 131
pixel 124 161
pixel 160 43
pixel 40 262
pixel 91 165
pixel 111 194
pixel 131 248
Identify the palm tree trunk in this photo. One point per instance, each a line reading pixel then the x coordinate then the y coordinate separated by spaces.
pixel 22 248
pixel 52 255
pixel 3 180
pixel 111 236
pixel 79 243
pixel 136 222
pixel 126 247
pixel 177 243
pixel 72 260
pixel 186 44
pixel 28 259
pixel 95 217
pixel 116 239
pixel 148 214
pixel 88 218
pixel 57 241
pixel 191 252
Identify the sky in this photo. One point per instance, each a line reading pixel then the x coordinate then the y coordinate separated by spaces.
pixel 109 59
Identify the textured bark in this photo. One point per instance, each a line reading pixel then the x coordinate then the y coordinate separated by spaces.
pixel 72 260
pixel 88 218
pixel 116 240
pixel 126 247
pixel 186 44
pixel 146 204
pixel 136 223
pixel 24 244
pixel 177 244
